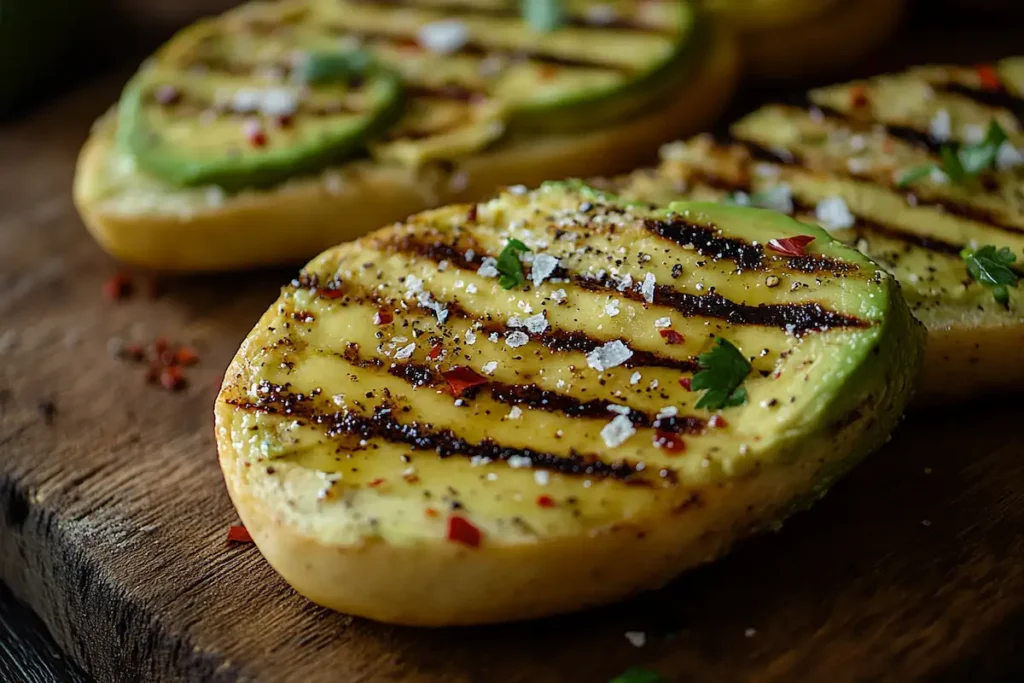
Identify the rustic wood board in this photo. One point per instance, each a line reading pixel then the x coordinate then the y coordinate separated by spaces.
pixel 113 515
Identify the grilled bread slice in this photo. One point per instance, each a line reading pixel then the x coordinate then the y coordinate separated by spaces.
pixel 234 146
pixel 848 158
pixel 553 400
pixel 787 39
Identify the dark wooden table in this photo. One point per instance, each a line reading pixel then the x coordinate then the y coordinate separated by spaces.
pixel 913 568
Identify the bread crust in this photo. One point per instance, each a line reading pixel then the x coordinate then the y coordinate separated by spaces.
pixel 303 217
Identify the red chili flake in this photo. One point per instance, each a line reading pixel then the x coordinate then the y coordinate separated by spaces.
pixel 330 293
pixel 377 482
pixel 431 512
pixel 133 352
pixel 858 96
pixel 408 45
pixel 547 71
pixel 160 345
pixel 238 534
pixel 716 421
pixel 284 120
pixel 989 77
pixel 383 317
pixel 669 441
pixel 671 336
pixel 791 246
pixel 117 287
pixel 435 351
pixel 461 530
pixel 684 382
pixel 471 214
pixel 545 501
pixel 461 378
pixel 172 379
pixel 255 134
pixel 167 358
pixel 186 355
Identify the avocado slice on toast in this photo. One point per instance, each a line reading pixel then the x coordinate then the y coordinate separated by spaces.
pixel 476 414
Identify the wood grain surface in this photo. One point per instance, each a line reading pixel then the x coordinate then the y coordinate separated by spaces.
pixel 113 515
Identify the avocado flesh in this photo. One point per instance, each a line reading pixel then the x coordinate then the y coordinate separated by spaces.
pixel 818 400
pixel 505 79
pixel 254 129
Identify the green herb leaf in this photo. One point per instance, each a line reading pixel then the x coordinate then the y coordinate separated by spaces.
pixel 638 675
pixel 723 370
pixel 976 158
pixel 543 16
pixel 992 269
pixel 914 174
pixel 509 265
pixel 334 67
pixel 951 164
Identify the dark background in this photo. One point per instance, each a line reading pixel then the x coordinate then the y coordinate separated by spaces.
pixel 112 33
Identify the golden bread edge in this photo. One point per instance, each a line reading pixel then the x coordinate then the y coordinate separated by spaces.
pixel 302 218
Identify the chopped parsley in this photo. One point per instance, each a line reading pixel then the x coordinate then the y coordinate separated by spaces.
pixel 509 266
pixel 992 269
pixel 963 162
pixel 637 674
pixel 543 16
pixel 333 67
pixel 723 370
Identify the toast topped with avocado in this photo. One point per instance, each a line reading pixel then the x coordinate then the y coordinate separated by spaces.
pixel 923 171
pixel 473 416
pixel 244 139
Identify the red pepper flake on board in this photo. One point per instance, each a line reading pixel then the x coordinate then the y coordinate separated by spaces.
pixel 383 317
pixel 989 77
pixel 186 355
pixel 435 351
pixel 671 336
pixel 684 382
pixel 669 441
pixel 791 246
pixel 545 501
pixel 461 530
pixel 172 379
pixel 238 534
pixel 717 422
pixel 859 96
pixel 117 287
pixel 461 378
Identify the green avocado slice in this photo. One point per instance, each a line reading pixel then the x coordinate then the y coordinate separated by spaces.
pixel 216 109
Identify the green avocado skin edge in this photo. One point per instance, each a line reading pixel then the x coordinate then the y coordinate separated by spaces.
pixel 257 171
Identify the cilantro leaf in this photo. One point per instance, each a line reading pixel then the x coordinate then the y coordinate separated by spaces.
pixel 637 674
pixel 992 269
pixel 330 67
pixel 723 370
pixel 951 164
pixel 543 16
pixel 977 158
pixel 509 266
pixel 914 174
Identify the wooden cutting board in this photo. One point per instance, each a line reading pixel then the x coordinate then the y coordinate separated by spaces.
pixel 113 516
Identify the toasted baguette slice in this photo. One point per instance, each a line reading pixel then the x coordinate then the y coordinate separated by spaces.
pixel 839 161
pixel 145 222
pixel 809 38
pixel 410 438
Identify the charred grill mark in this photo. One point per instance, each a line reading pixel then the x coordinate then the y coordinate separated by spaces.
pixel 555 340
pixel 708 242
pixel 951 206
pixel 510 11
pixel 191 105
pixel 474 48
pixel 448 91
pixel 529 395
pixel 798 318
pixel 279 400
pixel 995 99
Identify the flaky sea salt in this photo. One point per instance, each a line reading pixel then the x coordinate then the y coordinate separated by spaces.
pixel 489 367
pixel 516 339
pixel 833 214
pixel 488 267
pixel 405 351
pixel 616 432
pixel 543 266
pixel 647 288
pixel 610 355
pixel 444 37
